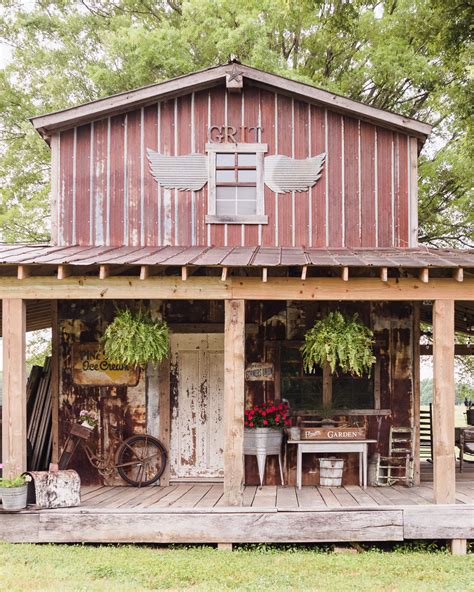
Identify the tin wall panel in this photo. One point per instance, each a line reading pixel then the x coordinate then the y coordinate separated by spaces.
pixel 115 213
pixel 83 156
pixel 318 192
pixel 108 195
pixel 351 182
pixel 335 219
pixel 268 105
pixel 401 191
pixel 184 146
pixel 66 196
pixel 384 186
pixel 251 108
pixel 150 186
pixel 368 194
pixel 300 150
pixel 167 143
pixel 99 182
pixel 201 124
pixel 285 220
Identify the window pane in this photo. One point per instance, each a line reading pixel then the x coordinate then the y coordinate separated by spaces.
pixel 247 160
pixel 225 176
pixel 225 208
pixel 247 193
pixel 246 208
pixel 247 176
pixel 225 160
pixel 225 193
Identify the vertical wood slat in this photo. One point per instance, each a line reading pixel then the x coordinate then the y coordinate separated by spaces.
pixel 444 479
pixel 416 388
pixel 14 429
pixel 55 353
pixel 413 192
pixel 234 395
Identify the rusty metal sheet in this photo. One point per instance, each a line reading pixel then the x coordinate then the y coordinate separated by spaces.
pixel 239 257
pixel 213 256
pixel 293 256
pixel 186 257
pixel 267 256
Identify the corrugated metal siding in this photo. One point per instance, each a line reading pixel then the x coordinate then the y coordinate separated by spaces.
pixel 109 197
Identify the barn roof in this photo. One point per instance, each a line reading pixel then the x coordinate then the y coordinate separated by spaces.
pixel 236 256
pixel 126 101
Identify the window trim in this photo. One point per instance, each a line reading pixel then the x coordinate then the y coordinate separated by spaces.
pixel 213 149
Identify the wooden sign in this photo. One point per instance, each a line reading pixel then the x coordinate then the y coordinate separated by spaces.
pixel 91 368
pixel 260 371
pixel 333 433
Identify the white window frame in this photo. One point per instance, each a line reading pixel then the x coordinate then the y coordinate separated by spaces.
pixel 258 149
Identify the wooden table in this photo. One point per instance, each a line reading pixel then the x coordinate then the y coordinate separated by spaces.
pixel 329 446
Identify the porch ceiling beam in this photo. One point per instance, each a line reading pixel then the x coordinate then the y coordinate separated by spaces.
pixel 458 274
pixel 23 271
pixel 248 288
pixel 64 271
pixel 104 272
pixel 424 275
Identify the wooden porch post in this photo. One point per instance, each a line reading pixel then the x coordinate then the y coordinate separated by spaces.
pixel 14 429
pixel 234 395
pixel 444 463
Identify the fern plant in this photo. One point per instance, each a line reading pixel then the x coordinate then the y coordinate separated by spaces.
pixel 135 338
pixel 340 341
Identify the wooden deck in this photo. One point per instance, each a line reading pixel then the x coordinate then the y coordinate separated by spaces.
pixel 194 513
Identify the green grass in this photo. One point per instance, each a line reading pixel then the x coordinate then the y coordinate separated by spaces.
pixel 126 568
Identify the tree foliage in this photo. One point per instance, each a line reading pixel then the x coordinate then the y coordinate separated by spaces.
pixel 410 56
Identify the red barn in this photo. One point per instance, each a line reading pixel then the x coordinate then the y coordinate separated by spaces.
pixel 240 207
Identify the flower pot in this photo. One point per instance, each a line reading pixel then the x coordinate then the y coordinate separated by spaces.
pixel 86 424
pixel 262 440
pixel 14 498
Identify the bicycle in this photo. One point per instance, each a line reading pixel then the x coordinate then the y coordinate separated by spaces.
pixel 140 459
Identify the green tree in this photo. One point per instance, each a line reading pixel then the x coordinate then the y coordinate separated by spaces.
pixel 410 56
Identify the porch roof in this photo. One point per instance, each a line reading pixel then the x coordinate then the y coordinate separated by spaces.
pixel 33 254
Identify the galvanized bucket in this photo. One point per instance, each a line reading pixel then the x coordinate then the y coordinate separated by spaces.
pixel 14 498
pixel 330 471
pixel 262 440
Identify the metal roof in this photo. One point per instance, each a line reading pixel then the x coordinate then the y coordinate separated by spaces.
pixel 235 256
pixel 206 78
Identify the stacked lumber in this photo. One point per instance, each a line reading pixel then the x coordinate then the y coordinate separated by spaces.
pixel 39 416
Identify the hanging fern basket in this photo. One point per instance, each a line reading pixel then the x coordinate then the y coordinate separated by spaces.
pixel 136 339
pixel 344 343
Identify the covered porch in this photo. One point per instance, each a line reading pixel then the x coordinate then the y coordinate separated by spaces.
pixel 240 280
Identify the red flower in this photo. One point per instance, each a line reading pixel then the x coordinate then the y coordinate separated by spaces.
pixel 265 422
pixel 264 413
pixel 251 424
pixel 246 423
pixel 288 422
pixel 277 418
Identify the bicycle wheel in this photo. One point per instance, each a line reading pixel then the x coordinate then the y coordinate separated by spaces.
pixel 141 460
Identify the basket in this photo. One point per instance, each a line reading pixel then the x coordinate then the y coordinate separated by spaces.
pixel 330 471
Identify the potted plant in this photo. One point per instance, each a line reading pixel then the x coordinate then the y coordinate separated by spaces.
pixel 88 419
pixel 341 342
pixel 135 338
pixel 14 491
pixel 263 428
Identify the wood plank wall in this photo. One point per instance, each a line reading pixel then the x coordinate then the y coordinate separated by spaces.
pixel 107 195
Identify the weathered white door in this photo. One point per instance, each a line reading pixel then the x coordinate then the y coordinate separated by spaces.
pixel 197 395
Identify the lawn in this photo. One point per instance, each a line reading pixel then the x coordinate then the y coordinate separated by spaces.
pixel 125 568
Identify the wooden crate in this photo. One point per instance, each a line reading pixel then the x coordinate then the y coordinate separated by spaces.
pixel 335 433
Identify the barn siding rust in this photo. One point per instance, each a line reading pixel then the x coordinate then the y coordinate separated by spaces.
pixel 269 326
pixel 121 409
pixel 108 196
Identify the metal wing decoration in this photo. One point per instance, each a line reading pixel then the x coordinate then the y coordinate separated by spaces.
pixel 284 174
pixel 187 172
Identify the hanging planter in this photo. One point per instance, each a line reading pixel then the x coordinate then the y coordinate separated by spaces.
pixel 135 338
pixel 342 342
